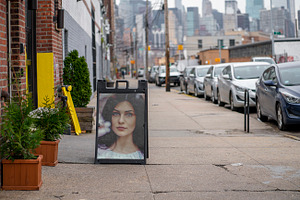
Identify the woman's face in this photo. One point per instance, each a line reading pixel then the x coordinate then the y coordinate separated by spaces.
pixel 123 119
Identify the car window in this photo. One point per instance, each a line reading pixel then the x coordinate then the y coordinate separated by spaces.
pixel 271 61
pixel 266 75
pixel 210 71
pixel 192 71
pixel 162 69
pixel 225 71
pixel 290 75
pixel 201 72
pixel 218 71
pixel 173 69
pixel 249 71
pixel 273 76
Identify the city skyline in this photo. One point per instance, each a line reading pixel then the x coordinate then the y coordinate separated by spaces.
pixel 215 4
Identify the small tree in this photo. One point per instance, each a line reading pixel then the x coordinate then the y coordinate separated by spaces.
pixel 76 74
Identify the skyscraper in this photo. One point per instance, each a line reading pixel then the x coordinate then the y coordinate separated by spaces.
pixel 253 8
pixel 206 8
pixel 230 17
pixel 192 21
pixel 287 4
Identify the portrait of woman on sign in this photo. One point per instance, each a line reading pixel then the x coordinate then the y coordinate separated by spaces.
pixel 121 126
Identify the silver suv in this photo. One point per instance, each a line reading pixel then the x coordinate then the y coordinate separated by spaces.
pixel 160 76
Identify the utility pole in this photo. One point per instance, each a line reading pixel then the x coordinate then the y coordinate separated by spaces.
pixel 272 30
pixel 131 64
pixel 136 40
pixel 147 42
pixel 167 46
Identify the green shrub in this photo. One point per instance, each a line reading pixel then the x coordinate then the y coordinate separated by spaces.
pixel 76 74
pixel 19 136
pixel 52 119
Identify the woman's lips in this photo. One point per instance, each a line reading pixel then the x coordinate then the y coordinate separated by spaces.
pixel 121 128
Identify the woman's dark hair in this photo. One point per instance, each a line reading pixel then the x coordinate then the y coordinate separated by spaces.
pixel 138 103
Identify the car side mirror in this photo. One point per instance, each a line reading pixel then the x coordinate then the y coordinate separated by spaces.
pixel 207 75
pixel 270 83
pixel 192 75
pixel 226 76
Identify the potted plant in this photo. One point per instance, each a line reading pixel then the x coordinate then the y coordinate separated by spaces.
pixel 52 119
pixel 76 74
pixel 22 170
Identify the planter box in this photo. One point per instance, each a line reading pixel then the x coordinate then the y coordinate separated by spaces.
pixel 49 150
pixel 86 118
pixel 22 174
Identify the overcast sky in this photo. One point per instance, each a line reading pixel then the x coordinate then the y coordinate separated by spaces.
pixel 216 4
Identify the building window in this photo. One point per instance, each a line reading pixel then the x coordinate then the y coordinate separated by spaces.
pixel 199 44
pixel 220 43
pixel 231 43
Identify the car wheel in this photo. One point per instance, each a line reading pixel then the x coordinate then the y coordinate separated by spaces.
pixel 280 122
pixel 232 107
pixel 220 103
pixel 260 116
pixel 195 92
pixel 213 97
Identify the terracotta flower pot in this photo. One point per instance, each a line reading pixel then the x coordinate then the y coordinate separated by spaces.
pixel 49 150
pixel 22 174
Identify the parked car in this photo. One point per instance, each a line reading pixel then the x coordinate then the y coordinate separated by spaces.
pixel 183 78
pixel 195 80
pixel 160 76
pixel 235 79
pixel 278 94
pixel 263 59
pixel 141 72
pixel 211 81
pixel 152 74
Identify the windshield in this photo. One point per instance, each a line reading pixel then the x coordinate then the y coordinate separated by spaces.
pixel 249 72
pixel 201 72
pixel 218 71
pixel 173 69
pixel 271 61
pixel 290 75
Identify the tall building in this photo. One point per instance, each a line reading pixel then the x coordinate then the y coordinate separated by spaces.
pixel 206 8
pixel 178 5
pixel 129 9
pixel 230 17
pixel 280 22
pixel 219 18
pixel 192 21
pixel 253 8
pixel 287 4
pixel 243 21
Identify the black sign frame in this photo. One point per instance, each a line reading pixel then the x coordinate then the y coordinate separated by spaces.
pixel 117 88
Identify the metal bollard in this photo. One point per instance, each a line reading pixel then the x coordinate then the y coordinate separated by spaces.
pixel 246 111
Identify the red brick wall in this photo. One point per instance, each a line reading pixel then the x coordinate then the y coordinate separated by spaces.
pixel 18 37
pixel 49 39
pixel 3 50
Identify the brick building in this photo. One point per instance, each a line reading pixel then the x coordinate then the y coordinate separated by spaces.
pixel 29 29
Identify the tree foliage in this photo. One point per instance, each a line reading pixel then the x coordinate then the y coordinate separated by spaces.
pixel 76 74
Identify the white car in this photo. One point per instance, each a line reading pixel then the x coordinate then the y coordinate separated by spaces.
pixel 263 59
pixel 141 72
pixel 160 76
pixel 195 80
pixel 211 81
pixel 235 79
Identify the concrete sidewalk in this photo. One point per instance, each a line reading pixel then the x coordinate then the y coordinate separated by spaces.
pixel 197 151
